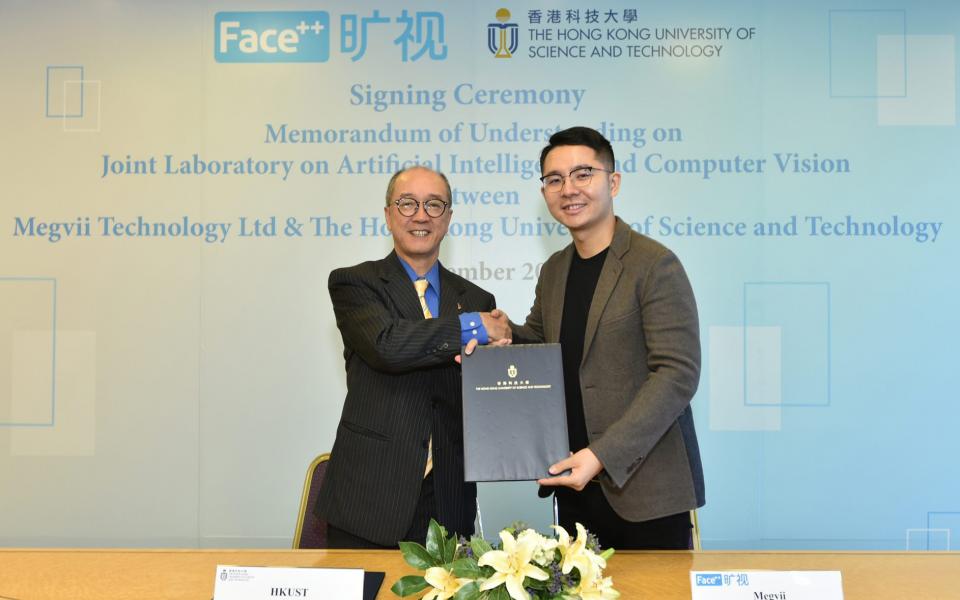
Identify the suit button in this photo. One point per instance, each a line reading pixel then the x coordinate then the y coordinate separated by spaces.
pixel 445 346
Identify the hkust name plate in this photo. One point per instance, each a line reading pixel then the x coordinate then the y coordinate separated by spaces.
pixel 273 583
pixel 514 412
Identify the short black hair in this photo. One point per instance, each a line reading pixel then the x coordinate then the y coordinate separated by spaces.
pixel 580 136
pixel 393 181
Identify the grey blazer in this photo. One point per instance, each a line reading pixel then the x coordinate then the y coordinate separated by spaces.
pixel 402 388
pixel 640 368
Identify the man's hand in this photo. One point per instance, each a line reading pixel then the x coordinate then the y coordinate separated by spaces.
pixel 472 345
pixel 497 325
pixel 468 350
pixel 583 466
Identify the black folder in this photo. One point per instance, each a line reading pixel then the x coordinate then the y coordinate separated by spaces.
pixel 514 412
pixel 372 580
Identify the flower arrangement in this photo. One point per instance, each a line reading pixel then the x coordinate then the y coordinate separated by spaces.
pixel 522 566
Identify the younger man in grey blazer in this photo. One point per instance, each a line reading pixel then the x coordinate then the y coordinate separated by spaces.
pixel 623 310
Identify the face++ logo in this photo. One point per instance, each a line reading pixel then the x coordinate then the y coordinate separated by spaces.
pixel 272 36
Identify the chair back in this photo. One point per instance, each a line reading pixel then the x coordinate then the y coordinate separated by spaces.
pixel 695 532
pixel 311 530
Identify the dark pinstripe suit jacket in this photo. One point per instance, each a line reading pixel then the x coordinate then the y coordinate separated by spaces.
pixel 402 386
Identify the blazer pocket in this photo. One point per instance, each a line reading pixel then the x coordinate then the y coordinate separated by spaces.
pixel 621 319
pixel 363 431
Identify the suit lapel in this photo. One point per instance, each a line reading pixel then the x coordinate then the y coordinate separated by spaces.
pixel 451 294
pixel 612 267
pixel 400 288
pixel 553 305
pixel 609 275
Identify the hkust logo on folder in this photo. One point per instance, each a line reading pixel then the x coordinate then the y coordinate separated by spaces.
pixel 513 383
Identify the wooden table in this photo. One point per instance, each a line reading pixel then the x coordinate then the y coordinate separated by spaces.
pixel 34 574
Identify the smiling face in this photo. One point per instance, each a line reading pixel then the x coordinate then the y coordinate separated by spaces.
pixel 583 210
pixel 417 239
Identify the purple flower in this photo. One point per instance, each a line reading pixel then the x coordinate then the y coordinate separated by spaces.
pixel 464 547
pixel 555 584
pixel 593 543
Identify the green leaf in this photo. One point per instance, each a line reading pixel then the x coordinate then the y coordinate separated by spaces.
pixel 499 593
pixel 435 541
pixel 536 584
pixel 470 591
pixel 480 546
pixel 417 556
pixel 466 567
pixel 409 585
pixel 449 549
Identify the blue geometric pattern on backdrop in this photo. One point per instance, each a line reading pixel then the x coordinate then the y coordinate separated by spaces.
pixel 802 311
pixel 931 79
pixel 947 522
pixel 4 320
pixel 58 105
pixel 853 38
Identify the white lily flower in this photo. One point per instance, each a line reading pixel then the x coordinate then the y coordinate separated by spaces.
pixel 445 585
pixel 512 564
pixel 543 555
pixel 574 553
pixel 597 589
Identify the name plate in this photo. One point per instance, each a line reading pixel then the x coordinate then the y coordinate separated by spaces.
pixel 766 585
pixel 272 583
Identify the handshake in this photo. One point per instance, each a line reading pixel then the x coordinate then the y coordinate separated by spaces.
pixel 498 331
pixel 498 326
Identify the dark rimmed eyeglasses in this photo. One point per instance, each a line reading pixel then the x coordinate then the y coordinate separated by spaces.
pixel 579 177
pixel 434 207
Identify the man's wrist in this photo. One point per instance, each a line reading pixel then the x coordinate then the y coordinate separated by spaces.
pixel 471 327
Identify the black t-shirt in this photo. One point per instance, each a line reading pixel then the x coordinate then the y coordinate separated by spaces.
pixel 581 283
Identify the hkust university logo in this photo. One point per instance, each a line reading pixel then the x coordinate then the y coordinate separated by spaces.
pixel 503 37
pixel 512 383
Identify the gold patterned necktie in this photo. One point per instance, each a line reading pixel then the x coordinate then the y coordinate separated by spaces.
pixel 422 285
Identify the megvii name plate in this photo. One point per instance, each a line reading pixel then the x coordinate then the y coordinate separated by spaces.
pixel 514 412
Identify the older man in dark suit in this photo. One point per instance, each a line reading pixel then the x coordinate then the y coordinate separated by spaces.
pixel 397 460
